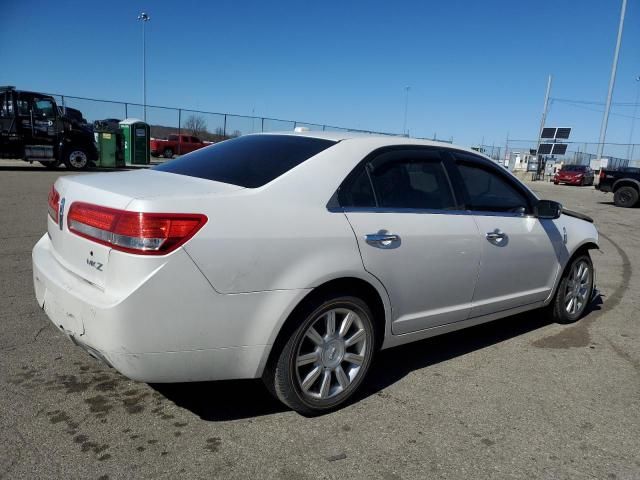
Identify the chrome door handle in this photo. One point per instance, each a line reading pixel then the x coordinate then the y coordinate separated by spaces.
pixel 496 237
pixel 381 239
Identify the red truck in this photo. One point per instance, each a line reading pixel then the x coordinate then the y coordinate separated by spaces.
pixel 176 145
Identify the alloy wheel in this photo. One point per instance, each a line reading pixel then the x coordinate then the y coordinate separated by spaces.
pixel 331 353
pixel 578 288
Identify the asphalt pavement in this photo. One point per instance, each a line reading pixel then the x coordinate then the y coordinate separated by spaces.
pixel 517 398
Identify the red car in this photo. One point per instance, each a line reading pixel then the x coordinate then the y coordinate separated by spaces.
pixel 574 175
pixel 176 144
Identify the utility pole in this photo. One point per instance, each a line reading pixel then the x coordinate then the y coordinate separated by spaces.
pixel 144 18
pixel 545 110
pixel 506 150
pixel 406 108
pixel 612 82
pixel 633 119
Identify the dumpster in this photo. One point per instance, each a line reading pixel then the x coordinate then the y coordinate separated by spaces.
pixel 136 136
pixel 109 148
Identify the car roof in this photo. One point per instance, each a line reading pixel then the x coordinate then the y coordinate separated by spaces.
pixel 376 140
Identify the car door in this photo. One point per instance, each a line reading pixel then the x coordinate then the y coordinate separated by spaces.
pixel 44 115
pixel 413 237
pixel 519 263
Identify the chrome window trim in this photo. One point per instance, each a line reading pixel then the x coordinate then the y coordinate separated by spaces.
pixel 427 211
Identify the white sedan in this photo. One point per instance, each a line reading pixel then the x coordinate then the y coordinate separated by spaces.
pixel 295 257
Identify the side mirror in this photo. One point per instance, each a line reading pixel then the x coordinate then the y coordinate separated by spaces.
pixel 547 209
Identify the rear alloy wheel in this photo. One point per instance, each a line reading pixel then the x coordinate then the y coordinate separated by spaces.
pixel 168 153
pixel 575 290
pixel 76 159
pixel 625 197
pixel 326 358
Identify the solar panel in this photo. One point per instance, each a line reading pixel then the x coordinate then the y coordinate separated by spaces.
pixel 563 133
pixel 559 148
pixel 548 133
pixel 545 148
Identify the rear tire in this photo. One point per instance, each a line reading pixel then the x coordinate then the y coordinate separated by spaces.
pixel 326 357
pixel 168 153
pixel 76 158
pixel 574 291
pixel 625 197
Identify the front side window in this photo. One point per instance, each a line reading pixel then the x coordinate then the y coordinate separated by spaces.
pixel 489 191
pixel 43 108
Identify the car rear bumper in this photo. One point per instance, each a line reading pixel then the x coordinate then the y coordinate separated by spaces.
pixel 172 328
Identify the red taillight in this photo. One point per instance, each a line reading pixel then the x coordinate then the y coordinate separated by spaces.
pixel 602 175
pixel 133 232
pixel 54 203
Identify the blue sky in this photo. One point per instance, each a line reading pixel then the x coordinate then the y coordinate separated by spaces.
pixel 476 69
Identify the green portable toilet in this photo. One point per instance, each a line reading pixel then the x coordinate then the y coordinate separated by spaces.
pixel 136 137
pixel 109 148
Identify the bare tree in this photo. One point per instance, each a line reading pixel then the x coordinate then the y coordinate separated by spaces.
pixel 196 125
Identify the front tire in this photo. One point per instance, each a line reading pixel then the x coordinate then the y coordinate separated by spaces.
pixel 574 291
pixel 625 197
pixel 325 358
pixel 168 153
pixel 76 159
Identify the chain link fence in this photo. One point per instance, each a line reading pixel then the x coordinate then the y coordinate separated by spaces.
pixel 517 154
pixel 209 126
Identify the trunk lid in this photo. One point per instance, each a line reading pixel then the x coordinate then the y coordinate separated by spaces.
pixel 90 260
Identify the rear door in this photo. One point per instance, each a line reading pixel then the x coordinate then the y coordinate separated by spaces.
pixel 413 237
pixel 519 262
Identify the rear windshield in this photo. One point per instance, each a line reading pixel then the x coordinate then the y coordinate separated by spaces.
pixel 250 161
pixel 574 168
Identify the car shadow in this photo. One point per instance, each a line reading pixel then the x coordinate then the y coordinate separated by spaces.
pixel 392 365
pixel 222 400
pixel 239 399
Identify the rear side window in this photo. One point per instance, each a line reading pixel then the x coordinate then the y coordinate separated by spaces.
pixel 357 190
pixel 400 179
pixel 250 161
pixel 411 183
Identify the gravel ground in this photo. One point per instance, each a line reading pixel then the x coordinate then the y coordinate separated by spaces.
pixel 517 398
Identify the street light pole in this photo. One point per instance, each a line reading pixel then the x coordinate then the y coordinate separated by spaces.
pixel 612 82
pixel 633 119
pixel 406 107
pixel 144 18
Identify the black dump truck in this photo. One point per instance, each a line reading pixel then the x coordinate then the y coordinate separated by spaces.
pixel 624 183
pixel 34 128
